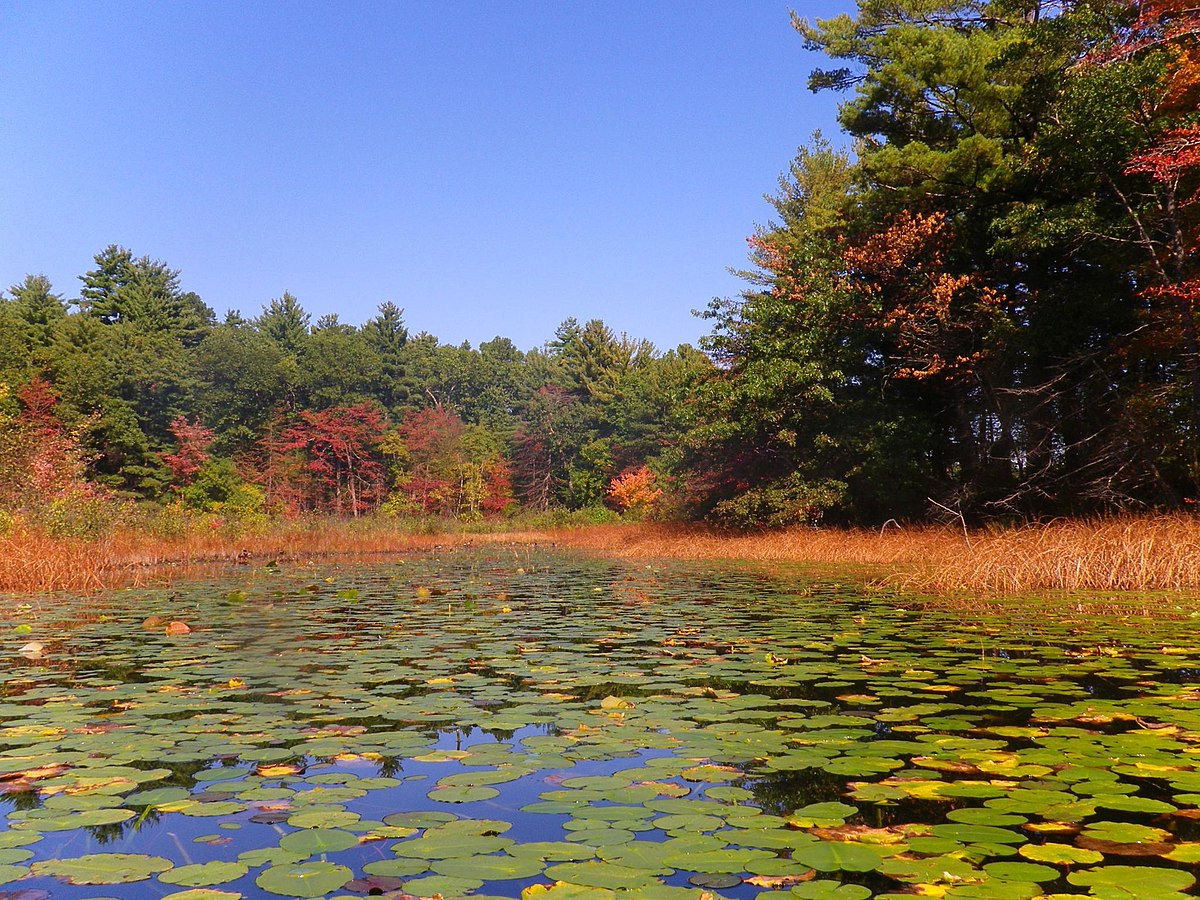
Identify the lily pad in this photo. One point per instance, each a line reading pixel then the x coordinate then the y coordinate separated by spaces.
pixel 489 868
pixel 306 879
pixel 204 874
pixel 103 868
pixel 1134 881
pixel 835 856
pixel 600 875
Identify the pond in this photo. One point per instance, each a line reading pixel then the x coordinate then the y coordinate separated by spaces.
pixel 498 722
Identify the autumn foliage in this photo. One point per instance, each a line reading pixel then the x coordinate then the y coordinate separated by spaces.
pixel 635 491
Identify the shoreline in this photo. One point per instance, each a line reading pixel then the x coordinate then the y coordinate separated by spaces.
pixel 1127 554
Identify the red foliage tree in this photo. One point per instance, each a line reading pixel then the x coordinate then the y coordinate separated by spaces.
pixel 433 440
pixel 1167 226
pixel 39 399
pixel 340 468
pixel 498 498
pixel 41 462
pixel 192 441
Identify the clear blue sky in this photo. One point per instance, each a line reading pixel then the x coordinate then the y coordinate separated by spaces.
pixel 492 167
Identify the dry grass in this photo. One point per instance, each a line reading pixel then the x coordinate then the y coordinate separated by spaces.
pixel 1121 554
pixel 35 562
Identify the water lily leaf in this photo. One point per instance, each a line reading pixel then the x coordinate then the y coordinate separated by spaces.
pixel 1016 871
pixel 1122 803
pixel 462 794
pixel 18 838
pixel 204 874
pixel 444 846
pixel 1060 854
pixel 68 821
pixel 199 894
pixel 688 823
pixel 834 856
pixel 1188 852
pixel 12 873
pixel 830 890
pixel 441 885
pixel 648 855
pixel 977 834
pixel 276 856
pixel 306 879
pixel 397 868
pixel 724 861
pixel 601 875
pixel 566 891
pixel 320 818
pixel 556 851
pixel 1135 881
pixel 981 815
pixel 1125 832
pixel 489 868
pixel 931 870
pixel 419 819
pixel 318 840
pixel 103 868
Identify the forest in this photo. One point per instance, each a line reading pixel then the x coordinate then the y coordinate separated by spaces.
pixel 979 301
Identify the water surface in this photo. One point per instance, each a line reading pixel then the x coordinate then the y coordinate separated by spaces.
pixel 486 722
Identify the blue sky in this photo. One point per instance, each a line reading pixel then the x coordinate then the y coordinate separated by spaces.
pixel 492 167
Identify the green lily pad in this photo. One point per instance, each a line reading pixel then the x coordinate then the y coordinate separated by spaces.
pixel 444 846
pixel 1060 854
pixel 830 890
pixel 12 873
pixel 600 875
pixel 1015 871
pixel 306 879
pixel 443 885
pixel 103 868
pixel 462 794
pixel 311 841
pixel 204 874
pixel 835 856
pixel 489 868
pixel 1135 881
pixel 724 861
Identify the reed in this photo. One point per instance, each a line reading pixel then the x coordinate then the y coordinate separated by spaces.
pixel 31 561
pixel 1130 553
pixel 1118 554
pixel 1133 553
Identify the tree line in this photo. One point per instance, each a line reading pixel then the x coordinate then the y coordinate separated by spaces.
pixel 985 305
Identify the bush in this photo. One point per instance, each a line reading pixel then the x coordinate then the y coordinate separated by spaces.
pixel 80 514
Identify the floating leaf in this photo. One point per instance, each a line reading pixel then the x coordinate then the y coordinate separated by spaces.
pixel 600 875
pixel 1135 881
pixel 103 868
pixel 307 879
pixel 489 868
pixel 204 874
pixel 1060 854
pixel 311 841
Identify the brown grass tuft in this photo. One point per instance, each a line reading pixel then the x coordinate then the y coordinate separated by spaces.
pixel 1134 553
pixel 1119 554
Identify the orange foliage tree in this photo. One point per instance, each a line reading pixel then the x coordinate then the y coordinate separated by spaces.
pixel 635 491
